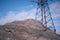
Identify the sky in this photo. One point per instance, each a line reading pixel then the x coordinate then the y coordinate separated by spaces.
pixel 12 10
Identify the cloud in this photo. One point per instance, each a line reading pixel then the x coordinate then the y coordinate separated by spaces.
pixel 58 32
pixel 7 18
pixel 11 16
pixel 55 10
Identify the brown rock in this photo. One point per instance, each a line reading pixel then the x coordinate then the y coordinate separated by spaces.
pixel 29 29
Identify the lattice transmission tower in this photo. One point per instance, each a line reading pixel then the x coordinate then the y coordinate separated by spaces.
pixel 43 13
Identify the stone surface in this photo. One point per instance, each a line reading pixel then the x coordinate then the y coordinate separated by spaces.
pixel 29 29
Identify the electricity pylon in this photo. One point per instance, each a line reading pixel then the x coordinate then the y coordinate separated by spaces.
pixel 43 12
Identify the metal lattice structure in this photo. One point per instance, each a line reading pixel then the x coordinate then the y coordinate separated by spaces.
pixel 43 12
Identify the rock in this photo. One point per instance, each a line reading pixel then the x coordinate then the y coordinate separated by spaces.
pixel 29 29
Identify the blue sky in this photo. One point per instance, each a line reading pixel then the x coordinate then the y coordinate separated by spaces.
pixel 11 10
pixel 12 5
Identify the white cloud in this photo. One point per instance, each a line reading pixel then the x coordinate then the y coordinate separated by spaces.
pixel 11 16
pixel 7 18
pixel 58 32
pixel 55 10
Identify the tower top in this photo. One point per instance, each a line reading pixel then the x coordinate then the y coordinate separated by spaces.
pixel 43 12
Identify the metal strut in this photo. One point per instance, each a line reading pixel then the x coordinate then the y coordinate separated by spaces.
pixel 42 6
pixel 51 19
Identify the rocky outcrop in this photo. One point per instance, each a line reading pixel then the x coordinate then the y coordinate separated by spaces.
pixel 29 29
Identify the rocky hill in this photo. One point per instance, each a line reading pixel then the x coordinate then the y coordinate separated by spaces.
pixel 29 29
